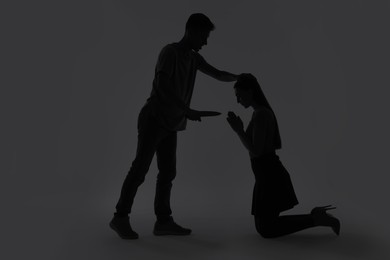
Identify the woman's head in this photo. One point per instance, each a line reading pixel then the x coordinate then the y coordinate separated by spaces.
pixel 248 91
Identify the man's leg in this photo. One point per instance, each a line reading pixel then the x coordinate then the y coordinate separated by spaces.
pixel 146 147
pixel 148 139
pixel 166 162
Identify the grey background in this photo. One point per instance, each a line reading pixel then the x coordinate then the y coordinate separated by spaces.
pixel 74 75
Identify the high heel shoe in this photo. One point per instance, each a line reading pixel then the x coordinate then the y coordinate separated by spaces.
pixel 321 210
pixel 322 218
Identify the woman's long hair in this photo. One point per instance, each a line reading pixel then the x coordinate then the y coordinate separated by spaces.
pixel 247 81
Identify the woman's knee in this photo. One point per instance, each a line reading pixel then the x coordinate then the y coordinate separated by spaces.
pixel 265 228
pixel 265 232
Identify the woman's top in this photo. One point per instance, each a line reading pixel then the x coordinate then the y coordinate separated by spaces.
pixel 273 192
pixel 261 131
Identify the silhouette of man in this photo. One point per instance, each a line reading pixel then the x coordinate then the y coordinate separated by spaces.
pixel 164 114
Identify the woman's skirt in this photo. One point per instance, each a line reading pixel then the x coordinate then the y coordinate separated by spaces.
pixel 273 191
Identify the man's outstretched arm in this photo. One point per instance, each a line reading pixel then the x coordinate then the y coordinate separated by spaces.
pixel 216 73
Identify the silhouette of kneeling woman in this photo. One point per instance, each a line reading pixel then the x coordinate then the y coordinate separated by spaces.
pixel 273 192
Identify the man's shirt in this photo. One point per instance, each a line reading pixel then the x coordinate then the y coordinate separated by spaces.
pixel 180 66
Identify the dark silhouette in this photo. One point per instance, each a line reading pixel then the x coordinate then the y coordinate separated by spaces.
pixel 164 114
pixel 273 191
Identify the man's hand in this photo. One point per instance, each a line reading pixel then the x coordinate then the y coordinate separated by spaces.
pixel 193 115
pixel 235 122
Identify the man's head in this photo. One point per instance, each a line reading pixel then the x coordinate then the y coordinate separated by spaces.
pixel 198 28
